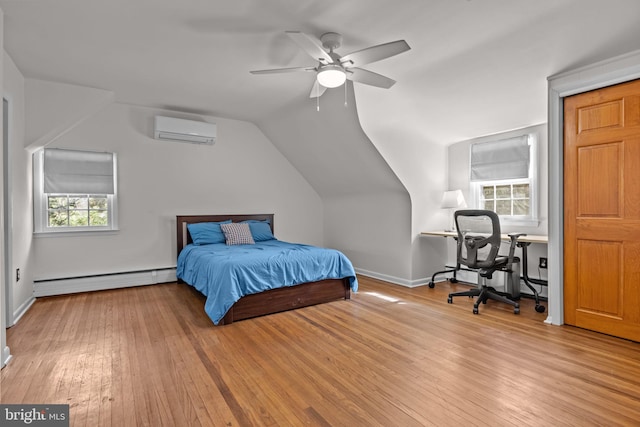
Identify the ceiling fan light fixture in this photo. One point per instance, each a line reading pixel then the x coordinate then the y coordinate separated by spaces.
pixel 331 76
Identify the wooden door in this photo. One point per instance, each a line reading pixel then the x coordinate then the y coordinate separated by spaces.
pixel 602 210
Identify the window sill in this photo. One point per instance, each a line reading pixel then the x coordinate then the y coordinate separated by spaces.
pixel 39 234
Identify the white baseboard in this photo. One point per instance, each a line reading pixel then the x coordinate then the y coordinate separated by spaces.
pixel 462 275
pixel 469 277
pixel 42 288
pixel 20 311
pixel 393 279
pixel 6 356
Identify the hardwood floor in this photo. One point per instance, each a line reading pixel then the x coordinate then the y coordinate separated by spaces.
pixel 390 356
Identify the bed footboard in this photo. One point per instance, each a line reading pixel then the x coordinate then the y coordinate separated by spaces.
pixel 289 298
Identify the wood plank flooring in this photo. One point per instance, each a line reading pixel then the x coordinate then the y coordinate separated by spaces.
pixel 390 356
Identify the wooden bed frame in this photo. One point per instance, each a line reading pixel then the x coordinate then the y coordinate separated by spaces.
pixel 274 300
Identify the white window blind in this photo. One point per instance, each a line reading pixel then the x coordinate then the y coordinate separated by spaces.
pixel 78 172
pixel 502 159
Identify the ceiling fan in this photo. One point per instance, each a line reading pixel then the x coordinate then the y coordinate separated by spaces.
pixel 332 69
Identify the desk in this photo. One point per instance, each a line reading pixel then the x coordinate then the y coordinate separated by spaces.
pixel 529 238
pixel 523 243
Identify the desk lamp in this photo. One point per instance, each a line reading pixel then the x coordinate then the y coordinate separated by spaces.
pixel 453 200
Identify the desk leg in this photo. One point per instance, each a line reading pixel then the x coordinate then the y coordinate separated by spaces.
pixel 432 283
pixel 527 279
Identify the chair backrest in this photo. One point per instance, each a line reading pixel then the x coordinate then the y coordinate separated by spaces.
pixel 478 238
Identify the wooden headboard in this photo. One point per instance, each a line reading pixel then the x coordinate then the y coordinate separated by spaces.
pixel 183 237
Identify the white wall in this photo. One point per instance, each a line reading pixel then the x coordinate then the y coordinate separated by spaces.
pixel 458 172
pixel 367 210
pixel 420 165
pixel 371 230
pixel 157 180
pixel 53 109
pixel 380 183
pixel 4 349
pixel 20 200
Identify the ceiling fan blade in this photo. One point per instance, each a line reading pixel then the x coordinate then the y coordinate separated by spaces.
pixel 283 70
pixel 369 78
pixel 317 90
pixel 311 45
pixel 374 53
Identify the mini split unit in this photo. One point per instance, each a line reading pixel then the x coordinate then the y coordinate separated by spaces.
pixel 171 129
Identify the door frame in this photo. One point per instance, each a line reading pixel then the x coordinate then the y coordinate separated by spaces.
pixel 612 71
pixel 7 210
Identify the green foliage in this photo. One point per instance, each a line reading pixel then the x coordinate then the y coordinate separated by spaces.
pixel 507 199
pixel 73 210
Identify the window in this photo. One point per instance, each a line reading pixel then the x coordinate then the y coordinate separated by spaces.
pixel 77 210
pixel 503 178
pixel 74 191
pixel 511 199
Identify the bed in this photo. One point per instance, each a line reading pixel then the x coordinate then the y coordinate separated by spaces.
pixel 245 281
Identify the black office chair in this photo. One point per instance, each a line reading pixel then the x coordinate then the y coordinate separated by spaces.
pixel 478 244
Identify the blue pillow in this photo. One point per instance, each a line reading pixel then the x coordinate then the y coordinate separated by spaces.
pixel 260 230
pixel 206 233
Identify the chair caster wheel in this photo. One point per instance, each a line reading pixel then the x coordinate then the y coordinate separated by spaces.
pixel 453 280
pixel 516 311
pixel 450 300
pixel 432 285
pixel 540 308
pixel 475 310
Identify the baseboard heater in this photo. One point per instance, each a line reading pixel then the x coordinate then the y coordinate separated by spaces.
pixel 99 282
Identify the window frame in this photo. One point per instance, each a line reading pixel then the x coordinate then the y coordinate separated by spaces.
pixel 40 203
pixel 531 220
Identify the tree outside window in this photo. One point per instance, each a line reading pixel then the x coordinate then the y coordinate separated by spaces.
pixel 73 210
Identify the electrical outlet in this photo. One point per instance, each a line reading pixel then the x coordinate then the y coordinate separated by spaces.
pixel 17 274
pixel 543 262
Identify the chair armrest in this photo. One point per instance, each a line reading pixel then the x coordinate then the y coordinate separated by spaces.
pixel 516 235
pixel 512 247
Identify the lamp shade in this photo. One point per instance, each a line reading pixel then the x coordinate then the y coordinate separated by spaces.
pixel 331 76
pixel 453 199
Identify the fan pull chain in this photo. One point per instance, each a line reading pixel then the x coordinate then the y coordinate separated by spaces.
pixel 317 97
pixel 345 94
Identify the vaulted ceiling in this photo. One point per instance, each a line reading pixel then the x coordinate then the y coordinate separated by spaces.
pixel 475 67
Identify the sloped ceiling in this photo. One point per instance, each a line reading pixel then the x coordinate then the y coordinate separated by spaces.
pixel 476 66
pixel 329 147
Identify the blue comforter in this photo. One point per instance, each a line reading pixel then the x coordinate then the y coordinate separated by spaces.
pixel 224 273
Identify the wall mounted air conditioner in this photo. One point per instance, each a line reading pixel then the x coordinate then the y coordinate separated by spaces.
pixel 169 128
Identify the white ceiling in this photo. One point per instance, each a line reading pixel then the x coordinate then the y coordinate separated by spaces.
pixel 476 66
